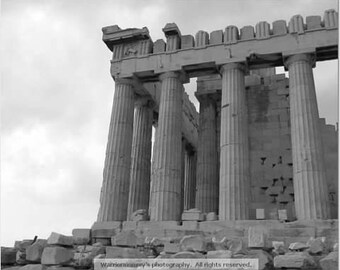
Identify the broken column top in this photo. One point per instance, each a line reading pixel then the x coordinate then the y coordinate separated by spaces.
pixel 113 35
pixel 171 29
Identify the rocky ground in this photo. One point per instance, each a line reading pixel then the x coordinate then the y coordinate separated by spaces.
pixel 122 240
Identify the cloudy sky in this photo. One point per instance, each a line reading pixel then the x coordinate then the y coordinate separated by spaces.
pixel 56 94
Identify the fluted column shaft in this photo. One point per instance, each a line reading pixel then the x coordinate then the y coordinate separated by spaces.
pixel 139 191
pixel 189 179
pixel 115 189
pixel 207 177
pixel 166 183
pixel 310 185
pixel 234 152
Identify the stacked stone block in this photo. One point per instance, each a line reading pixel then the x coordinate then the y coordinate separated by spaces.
pixel 270 145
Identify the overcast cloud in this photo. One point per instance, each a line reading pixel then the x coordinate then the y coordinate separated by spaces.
pixel 56 94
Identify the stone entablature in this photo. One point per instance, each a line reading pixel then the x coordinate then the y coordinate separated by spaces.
pixel 261 48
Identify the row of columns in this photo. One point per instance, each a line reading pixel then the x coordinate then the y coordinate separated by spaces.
pixel 226 191
pixel 127 171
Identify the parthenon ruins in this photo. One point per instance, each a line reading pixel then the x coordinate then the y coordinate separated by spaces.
pixel 256 146
pixel 250 180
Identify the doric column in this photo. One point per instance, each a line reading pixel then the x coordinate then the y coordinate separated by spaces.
pixel 189 178
pixel 310 185
pixel 166 182
pixel 140 157
pixel 207 178
pixel 115 189
pixel 234 152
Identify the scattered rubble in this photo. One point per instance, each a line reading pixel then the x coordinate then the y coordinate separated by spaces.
pixel 60 252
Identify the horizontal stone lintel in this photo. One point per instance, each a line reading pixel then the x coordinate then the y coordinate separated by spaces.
pixel 207 60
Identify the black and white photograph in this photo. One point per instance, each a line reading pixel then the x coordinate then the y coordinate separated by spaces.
pixel 196 134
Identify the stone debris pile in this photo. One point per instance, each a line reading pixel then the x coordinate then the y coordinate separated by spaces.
pixel 169 239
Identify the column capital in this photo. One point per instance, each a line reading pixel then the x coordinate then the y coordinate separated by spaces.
pixel 181 75
pixel 129 81
pixel 236 65
pixel 306 57
pixel 135 83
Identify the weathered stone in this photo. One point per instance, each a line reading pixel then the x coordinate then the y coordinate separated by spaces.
pixel 172 247
pixel 140 215
pixel 247 32
pixel 223 254
pixel 336 247
pixel 211 216
pixel 313 22
pixel 84 248
pixel 105 229
pixel 187 41
pixel 234 150
pixel 316 246
pixel 279 27
pixel 256 237
pixel 193 214
pixel 159 46
pixel 207 161
pixel 81 236
pixel 297 246
pixel 120 252
pixel 231 34
pixel 262 30
pixel 84 256
pixel 164 255
pixel 193 243
pixel 220 244
pixel 264 258
pixel 153 241
pixel 296 24
pixel 187 255
pixel 82 260
pixel 306 138
pixel 127 239
pixel 140 171
pixel 166 191
pixel 102 241
pixel 8 255
pixel 294 260
pixel 190 172
pixel 21 257
pixel 97 250
pixel 201 38
pixel 190 225
pixel 100 256
pixel 59 239
pixel 330 262
pixel 22 245
pixel 8 267
pixel 260 213
pixel 34 267
pixel 279 247
pixel 58 267
pixel 216 37
pixel 236 246
pixel 282 214
pixel 34 252
pixel 56 255
pixel 228 232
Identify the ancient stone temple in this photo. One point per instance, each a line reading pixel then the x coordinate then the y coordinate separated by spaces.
pixel 253 175
pixel 256 148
